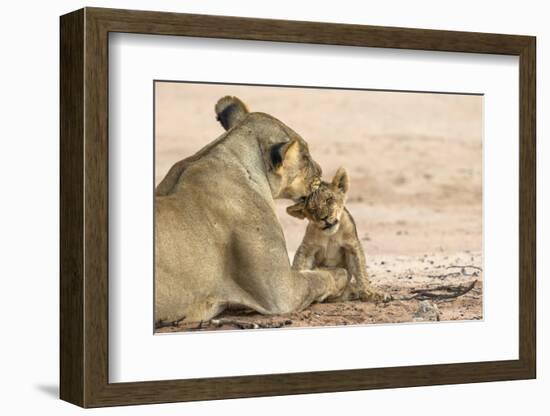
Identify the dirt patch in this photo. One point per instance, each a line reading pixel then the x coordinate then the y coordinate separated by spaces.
pixel 399 276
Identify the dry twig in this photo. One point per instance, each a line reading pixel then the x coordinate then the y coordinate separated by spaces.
pixel 250 325
pixel 447 292
pixel 167 324
pixel 468 266
pixel 462 272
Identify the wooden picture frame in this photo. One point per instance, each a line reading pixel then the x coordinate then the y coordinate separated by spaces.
pixel 84 207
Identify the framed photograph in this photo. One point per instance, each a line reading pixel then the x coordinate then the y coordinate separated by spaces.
pixel 255 207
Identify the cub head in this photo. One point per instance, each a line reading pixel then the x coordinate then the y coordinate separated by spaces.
pixel 324 206
pixel 291 171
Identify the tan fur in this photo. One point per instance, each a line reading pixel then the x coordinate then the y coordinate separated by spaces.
pixel 331 238
pixel 218 241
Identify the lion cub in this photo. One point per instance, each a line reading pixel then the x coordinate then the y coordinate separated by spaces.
pixel 331 238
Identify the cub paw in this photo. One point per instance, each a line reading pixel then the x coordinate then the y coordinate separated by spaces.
pixel 374 296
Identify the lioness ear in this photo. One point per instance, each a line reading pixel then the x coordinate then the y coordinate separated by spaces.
pixel 341 180
pixel 297 210
pixel 283 151
pixel 230 111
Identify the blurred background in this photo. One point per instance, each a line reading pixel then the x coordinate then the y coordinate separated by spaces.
pixel 415 159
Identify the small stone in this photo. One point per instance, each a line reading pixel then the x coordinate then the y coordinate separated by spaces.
pixel 427 311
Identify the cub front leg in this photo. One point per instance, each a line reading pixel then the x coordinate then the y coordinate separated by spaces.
pixel 356 264
pixel 304 259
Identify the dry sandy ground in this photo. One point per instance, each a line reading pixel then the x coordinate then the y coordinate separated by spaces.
pixel 415 162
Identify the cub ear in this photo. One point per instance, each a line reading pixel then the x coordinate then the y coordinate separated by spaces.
pixel 297 210
pixel 230 111
pixel 341 180
pixel 283 151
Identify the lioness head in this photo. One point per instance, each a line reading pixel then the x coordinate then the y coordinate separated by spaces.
pixel 324 206
pixel 291 171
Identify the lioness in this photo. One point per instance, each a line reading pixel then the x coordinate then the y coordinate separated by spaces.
pixel 331 238
pixel 218 241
